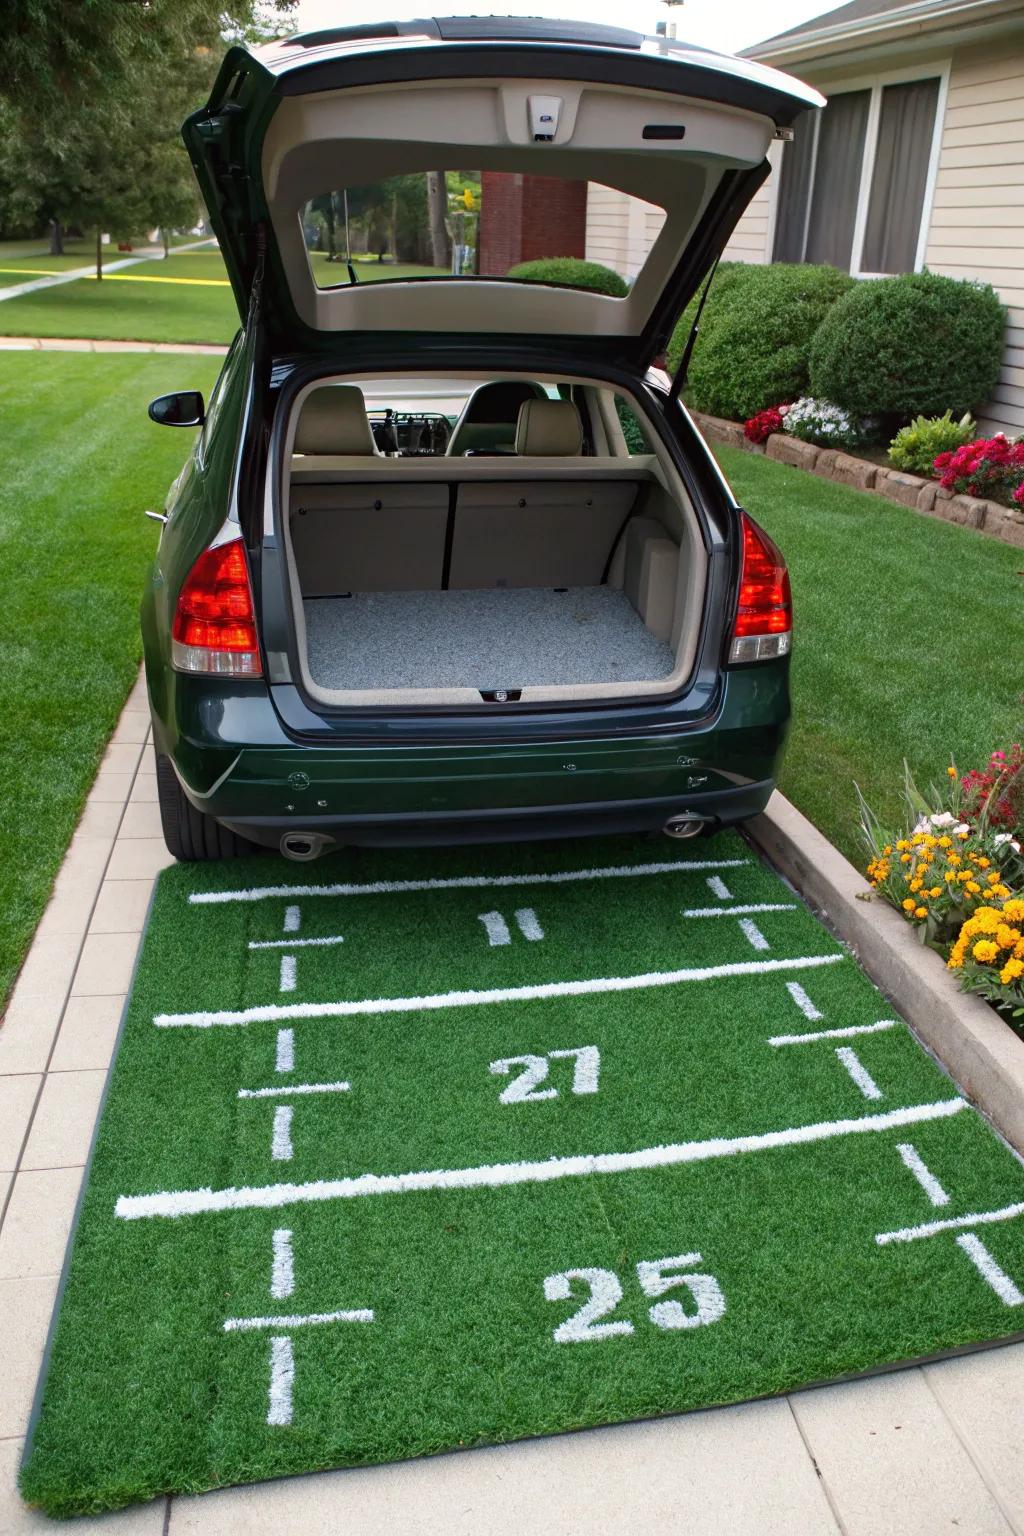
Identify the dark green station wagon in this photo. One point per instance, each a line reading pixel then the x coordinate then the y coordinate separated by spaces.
pixel 450 561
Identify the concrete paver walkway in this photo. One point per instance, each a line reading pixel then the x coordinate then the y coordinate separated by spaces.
pixel 922 1451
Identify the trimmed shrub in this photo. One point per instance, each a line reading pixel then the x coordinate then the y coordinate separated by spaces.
pixel 915 448
pixel 910 346
pixel 755 336
pixel 571 272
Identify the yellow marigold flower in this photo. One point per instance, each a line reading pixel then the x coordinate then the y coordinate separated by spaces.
pixel 973 887
pixel 1014 910
pixel 985 950
pixel 1007 937
pixel 936 890
pixel 993 877
pixel 901 845
pixel 982 862
pixel 920 911
pixel 945 842
pixel 905 858
pixel 1011 971
pixel 963 836
pixel 954 858
pixel 909 904
pixel 951 771
pixel 915 885
pixel 950 875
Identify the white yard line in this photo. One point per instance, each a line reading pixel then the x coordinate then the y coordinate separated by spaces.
pixel 276 1093
pixel 915 1164
pixel 859 1072
pixel 334 938
pixel 835 1034
pixel 89 270
pixel 463 882
pixel 270 1012
pixel 190 1202
pixel 802 1001
pixel 298 1320
pixel 752 933
pixel 753 906
pixel 989 1270
pixel 950 1224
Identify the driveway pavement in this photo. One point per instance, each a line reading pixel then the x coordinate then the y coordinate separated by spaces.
pixel 914 1453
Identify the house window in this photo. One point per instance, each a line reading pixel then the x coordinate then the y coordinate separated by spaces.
pixel 853 183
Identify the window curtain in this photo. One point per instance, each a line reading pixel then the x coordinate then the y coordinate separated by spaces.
pixel 794 191
pixel 905 133
pixel 837 176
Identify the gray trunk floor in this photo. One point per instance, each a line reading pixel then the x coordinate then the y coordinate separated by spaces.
pixel 501 637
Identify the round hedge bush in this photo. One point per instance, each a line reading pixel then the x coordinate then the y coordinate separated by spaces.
pixel 755 336
pixel 909 346
pixel 571 272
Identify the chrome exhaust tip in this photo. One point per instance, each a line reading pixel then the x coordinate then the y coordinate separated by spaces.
pixel 683 826
pixel 303 847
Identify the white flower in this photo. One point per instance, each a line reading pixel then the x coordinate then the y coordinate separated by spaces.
pixel 1006 837
pixel 961 826
pixel 943 819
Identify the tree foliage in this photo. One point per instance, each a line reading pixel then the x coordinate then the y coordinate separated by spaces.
pixel 92 97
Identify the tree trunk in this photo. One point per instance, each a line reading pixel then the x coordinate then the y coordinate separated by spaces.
pixel 332 231
pixel 394 226
pixel 437 201
pixel 99 253
pixel 165 242
pixel 56 238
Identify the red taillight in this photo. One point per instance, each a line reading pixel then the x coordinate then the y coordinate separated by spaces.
pixel 764 613
pixel 215 623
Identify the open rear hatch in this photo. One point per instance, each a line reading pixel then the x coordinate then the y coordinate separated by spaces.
pixel 646 130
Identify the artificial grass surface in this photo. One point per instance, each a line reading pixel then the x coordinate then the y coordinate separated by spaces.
pixel 82 461
pixel 904 627
pixel 147 1392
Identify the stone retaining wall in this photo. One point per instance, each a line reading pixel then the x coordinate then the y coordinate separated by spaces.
pixel 925 496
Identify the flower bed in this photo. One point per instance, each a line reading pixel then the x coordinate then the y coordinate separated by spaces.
pixel 955 871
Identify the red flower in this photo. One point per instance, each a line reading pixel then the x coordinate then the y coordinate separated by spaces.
pixel 760 427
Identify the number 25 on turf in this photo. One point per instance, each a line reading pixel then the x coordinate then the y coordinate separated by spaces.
pixel 656 1276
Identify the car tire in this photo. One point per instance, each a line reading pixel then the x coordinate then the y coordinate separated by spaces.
pixel 190 835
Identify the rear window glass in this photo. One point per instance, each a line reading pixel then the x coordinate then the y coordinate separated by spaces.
pixel 434 225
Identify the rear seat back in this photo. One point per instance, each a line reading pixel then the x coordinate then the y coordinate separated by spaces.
pixel 369 538
pixel 556 533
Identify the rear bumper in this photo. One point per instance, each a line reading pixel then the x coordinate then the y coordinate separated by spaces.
pixel 510 823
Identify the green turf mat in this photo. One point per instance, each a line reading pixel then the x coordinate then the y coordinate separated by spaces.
pixel 405 1152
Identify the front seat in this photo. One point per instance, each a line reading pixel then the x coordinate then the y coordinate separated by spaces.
pixel 334 421
pixel 488 422
pixel 548 429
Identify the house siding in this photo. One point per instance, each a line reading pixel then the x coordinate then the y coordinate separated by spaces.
pixel 977 222
pixel 620 229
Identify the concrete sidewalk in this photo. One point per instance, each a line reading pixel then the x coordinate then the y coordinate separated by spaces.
pixel 86 344
pixel 55 279
pixel 915 1453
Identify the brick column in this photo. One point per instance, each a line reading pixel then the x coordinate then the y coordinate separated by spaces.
pixel 523 218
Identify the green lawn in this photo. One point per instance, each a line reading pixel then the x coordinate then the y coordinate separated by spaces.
pixel 907 636
pixel 82 461
pixel 140 304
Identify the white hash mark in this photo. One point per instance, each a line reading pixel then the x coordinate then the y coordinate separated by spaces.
pixel 282 1274
pixel 802 1001
pixel 529 927
pixel 989 1270
pixel 835 1034
pixel 292 918
pixel 285 1059
pixel 289 979
pixel 915 1164
pixel 495 927
pixel 282 1378
pixel 859 1072
pixel 752 933
pixel 717 886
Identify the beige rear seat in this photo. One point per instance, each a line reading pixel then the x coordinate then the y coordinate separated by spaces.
pixel 375 537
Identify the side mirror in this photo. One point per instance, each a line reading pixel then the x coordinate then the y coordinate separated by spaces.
pixel 184 409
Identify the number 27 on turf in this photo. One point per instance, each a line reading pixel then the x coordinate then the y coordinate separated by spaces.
pixel 656 1276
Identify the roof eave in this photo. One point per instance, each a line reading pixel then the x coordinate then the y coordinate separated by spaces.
pixel 917 19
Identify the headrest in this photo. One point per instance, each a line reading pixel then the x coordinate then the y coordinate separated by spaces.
pixel 548 429
pixel 333 420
